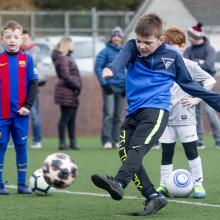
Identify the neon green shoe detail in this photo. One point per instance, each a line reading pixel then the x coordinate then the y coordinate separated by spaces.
pixel 163 190
pixel 199 192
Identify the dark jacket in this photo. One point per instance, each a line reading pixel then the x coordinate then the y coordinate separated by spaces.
pixel 104 58
pixel 69 84
pixel 202 52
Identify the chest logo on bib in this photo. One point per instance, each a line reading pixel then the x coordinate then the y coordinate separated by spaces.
pixel 167 62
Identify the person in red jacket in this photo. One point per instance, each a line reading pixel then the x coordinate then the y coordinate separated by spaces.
pixel 67 91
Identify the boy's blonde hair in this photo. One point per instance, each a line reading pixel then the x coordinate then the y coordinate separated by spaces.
pixel 11 24
pixel 174 35
pixel 149 25
pixel 64 45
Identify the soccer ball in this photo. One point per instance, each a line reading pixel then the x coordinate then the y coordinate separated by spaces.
pixel 37 183
pixel 180 183
pixel 59 170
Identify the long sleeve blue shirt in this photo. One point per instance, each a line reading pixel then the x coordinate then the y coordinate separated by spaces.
pixel 149 79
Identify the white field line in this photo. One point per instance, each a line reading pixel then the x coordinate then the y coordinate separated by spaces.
pixel 129 197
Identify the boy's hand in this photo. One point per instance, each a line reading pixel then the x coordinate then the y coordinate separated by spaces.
pixel 107 73
pixel 190 102
pixel 23 111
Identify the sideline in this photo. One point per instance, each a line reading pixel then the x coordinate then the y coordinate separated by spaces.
pixel 128 197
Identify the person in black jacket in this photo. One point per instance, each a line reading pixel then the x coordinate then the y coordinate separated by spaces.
pixel 67 91
pixel 204 54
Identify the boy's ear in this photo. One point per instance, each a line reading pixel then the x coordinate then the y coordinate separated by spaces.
pixel 182 46
pixel 162 39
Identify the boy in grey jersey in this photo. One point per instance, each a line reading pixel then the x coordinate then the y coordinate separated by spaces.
pixel 182 121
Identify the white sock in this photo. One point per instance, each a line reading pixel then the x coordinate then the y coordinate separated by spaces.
pixel 165 171
pixel 196 170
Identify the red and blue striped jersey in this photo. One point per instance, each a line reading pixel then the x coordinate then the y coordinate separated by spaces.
pixel 16 73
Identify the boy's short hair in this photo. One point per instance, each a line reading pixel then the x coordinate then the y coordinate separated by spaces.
pixel 26 32
pixel 148 25
pixel 11 24
pixel 174 35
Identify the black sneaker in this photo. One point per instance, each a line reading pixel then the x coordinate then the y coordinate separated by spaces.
pixel 109 184
pixel 152 205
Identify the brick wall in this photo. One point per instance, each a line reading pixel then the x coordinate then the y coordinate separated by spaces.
pixel 89 111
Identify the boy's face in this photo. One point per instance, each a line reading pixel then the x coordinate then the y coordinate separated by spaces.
pixel 12 39
pixel 26 41
pixel 147 45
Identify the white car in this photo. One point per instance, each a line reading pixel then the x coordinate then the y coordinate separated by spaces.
pixel 84 53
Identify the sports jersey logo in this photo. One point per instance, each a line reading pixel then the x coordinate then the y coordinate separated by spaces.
pixel 167 62
pixel 22 63
pixel 3 64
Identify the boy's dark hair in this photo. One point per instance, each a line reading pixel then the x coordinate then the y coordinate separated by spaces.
pixel 11 24
pixel 174 35
pixel 148 25
pixel 26 32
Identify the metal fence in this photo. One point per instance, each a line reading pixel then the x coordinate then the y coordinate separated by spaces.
pixel 42 23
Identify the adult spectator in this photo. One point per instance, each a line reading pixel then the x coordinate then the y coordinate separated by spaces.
pixel 67 91
pixel 30 48
pixel 204 54
pixel 113 91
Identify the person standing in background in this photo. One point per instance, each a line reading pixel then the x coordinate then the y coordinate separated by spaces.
pixel 204 54
pixel 67 91
pixel 33 50
pixel 113 91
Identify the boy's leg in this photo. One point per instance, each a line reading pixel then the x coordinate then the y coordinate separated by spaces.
pixel 20 139
pixel 150 126
pixel 166 167
pixel 4 139
pixel 168 141
pixel 195 165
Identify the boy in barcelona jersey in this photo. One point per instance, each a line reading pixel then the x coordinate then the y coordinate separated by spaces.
pixel 18 84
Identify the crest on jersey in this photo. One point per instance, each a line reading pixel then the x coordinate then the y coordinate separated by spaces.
pixel 22 63
pixel 167 62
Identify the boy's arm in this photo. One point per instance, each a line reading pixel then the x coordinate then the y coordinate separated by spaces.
pixel 184 80
pixel 123 58
pixel 31 93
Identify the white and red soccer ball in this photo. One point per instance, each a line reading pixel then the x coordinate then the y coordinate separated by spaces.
pixel 59 170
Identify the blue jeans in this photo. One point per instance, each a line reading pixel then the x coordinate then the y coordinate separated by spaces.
pixel 213 121
pixel 113 107
pixel 36 121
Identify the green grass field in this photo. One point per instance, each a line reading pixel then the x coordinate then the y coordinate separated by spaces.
pixel 82 200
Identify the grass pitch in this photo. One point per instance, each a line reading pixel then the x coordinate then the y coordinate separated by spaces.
pixel 82 200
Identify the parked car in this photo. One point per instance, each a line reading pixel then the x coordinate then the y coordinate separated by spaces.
pixel 83 52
